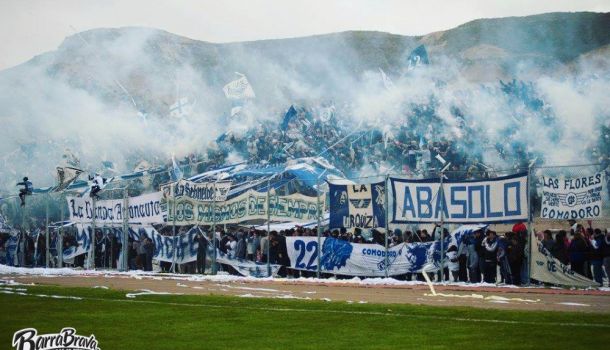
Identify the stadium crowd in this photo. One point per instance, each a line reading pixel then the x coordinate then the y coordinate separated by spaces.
pixel 484 256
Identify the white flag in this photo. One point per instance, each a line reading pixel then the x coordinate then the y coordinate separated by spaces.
pixel 66 176
pixel 389 85
pixel 239 89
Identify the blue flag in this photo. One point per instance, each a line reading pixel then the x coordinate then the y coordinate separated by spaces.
pixel 418 57
pixel 357 205
pixel 291 114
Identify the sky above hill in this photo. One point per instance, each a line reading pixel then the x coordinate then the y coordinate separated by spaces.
pixel 30 27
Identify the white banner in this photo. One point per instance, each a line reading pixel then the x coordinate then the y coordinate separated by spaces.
pixel 498 200
pixel 355 259
pixel 572 198
pixel 546 268
pixel 144 209
pixel 239 89
pixel 201 192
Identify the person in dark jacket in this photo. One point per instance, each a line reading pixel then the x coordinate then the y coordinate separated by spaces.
pixel 240 247
pixel 596 256
pixel 606 253
pixel 149 250
pixel 560 250
pixel 578 253
pixel 490 256
pixel 515 257
pixel 478 243
pixel 202 250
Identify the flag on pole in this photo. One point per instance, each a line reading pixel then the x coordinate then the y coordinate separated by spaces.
pixel 66 176
pixel 291 114
pixel 175 173
pixel 418 57
pixel 387 82
pixel 239 89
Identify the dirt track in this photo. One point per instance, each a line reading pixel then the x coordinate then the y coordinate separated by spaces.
pixel 497 298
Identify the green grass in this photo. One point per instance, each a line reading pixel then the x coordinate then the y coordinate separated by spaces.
pixel 219 322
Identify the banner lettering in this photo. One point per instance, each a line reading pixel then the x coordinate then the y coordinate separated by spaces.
pixel 572 198
pixel 502 199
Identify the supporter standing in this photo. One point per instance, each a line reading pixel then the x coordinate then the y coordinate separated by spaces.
pixel 560 248
pixel 578 250
pixel 490 256
pixel 597 256
pixel 264 242
pixel 202 250
pixel 515 258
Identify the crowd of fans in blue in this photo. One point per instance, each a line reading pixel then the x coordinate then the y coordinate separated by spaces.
pixel 484 256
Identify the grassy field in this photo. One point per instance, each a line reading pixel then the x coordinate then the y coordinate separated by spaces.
pixel 215 322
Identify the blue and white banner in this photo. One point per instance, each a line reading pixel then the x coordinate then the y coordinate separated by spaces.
pixel 572 198
pixel 186 252
pixel 83 243
pixel 499 200
pixel 357 205
pixel 186 249
pixel 356 259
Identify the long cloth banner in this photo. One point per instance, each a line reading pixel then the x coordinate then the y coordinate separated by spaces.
pixel 357 205
pixel 144 209
pixel 251 205
pixel 546 268
pixel 201 192
pixel 356 259
pixel 502 199
pixel 572 198
pixel 186 249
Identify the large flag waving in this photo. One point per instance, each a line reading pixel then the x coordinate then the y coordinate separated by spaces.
pixel 239 89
